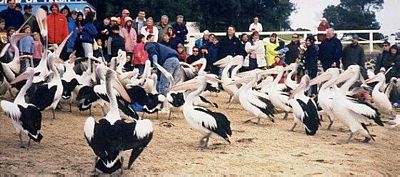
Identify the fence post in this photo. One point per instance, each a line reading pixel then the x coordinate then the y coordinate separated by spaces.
pixel 371 42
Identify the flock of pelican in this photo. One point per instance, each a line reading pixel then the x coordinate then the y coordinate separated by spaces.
pixel 91 81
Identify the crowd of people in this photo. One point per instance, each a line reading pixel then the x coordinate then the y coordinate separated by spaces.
pixel 164 42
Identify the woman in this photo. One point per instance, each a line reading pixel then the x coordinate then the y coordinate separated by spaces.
pixel 129 34
pixel 323 26
pixel 149 29
pixel 79 21
pixel 71 19
pixel 140 54
pixel 392 64
pixel 271 49
pixel 182 56
pixel 213 54
pixel 311 61
pixel 173 41
pixel 88 34
pixel 257 52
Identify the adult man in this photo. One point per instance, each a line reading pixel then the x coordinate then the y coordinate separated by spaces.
pixel 180 29
pixel 195 55
pixel 229 44
pixel 140 21
pixel 162 27
pixel 12 17
pixel 32 21
pixel 256 25
pixel 353 54
pixel 382 58
pixel 204 41
pixel 125 13
pixel 294 51
pixel 56 25
pixel 165 57
pixel 330 50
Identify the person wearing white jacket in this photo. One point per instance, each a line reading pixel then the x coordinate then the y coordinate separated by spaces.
pixel 150 29
pixel 256 50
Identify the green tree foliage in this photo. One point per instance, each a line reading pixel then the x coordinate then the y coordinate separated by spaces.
pixel 214 15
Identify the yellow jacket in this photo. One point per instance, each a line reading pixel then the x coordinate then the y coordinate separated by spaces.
pixel 270 51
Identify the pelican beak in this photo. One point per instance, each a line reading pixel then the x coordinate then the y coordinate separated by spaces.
pixel 121 90
pixel 201 61
pixel 212 78
pixel 223 62
pixel 59 49
pixel 321 78
pixel 187 85
pixel 269 71
pixel 166 74
pixel 299 88
pixel 344 76
pixel 375 78
pixel 241 81
pixel 21 77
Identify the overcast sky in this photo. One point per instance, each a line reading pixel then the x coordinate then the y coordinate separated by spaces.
pixel 309 13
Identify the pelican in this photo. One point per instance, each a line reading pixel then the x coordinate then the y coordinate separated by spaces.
pixel 326 93
pixel 254 102
pixel 381 99
pixel 25 117
pixel 110 136
pixel 288 81
pixel 227 63
pixel 203 120
pixel 305 110
pixel 353 113
pixel 47 95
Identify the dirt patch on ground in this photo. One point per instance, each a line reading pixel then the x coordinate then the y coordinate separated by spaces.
pixel 269 148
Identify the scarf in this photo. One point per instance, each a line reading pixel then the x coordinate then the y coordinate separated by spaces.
pixel 149 28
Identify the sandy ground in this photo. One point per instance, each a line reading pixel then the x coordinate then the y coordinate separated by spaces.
pixel 269 148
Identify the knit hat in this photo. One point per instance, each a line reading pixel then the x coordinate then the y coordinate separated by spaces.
pixel 125 11
pixel 206 32
pixel 311 39
pixel 54 4
pixel 27 7
pixel 115 19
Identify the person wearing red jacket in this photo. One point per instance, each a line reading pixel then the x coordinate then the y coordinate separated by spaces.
pixel 56 25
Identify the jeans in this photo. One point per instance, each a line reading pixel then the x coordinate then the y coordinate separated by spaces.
pixel 252 63
pixel 172 66
pixel 87 49
pixel 313 73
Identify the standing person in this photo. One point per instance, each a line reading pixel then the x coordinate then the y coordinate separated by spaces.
pixel 330 50
pixel 56 25
pixel 162 27
pixel 182 56
pixel 257 52
pixel 271 49
pixel 244 39
pixel 114 42
pixel 26 47
pixel 229 44
pixel 79 21
pixel 382 58
pixel 13 17
pixel 353 54
pixel 150 29
pixel 140 54
pixel 129 34
pixel 38 49
pixel 393 62
pixel 256 25
pixel 173 41
pixel 213 54
pixel 140 21
pixel 180 29
pixel 294 50
pixel 89 33
pixel 204 41
pixel 323 26
pixel 311 61
pixel 125 13
pixel 165 57
pixel 71 18
pixel 195 55
pixel 86 11
pixel 32 21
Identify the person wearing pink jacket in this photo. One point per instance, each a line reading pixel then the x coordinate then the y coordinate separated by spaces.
pixel 140 54
pixel 129 34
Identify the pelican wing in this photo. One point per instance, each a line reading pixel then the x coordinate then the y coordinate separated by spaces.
pixel 365 109
pixel 11 109
pixel 213 121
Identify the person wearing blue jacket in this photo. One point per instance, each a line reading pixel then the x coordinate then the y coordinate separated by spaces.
pixel 13 18
pixel 165 57
pixel 88 34
pixel 330 51
pixel 71 22
pixel 180 29
pixel 311 60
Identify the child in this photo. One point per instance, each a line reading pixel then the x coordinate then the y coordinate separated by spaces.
pixel 26 47
pixel 37 53
pixel 181 53
pixel 98 49
pixel 140 54
pixel 114 43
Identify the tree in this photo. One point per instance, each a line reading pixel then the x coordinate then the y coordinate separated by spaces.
pixel 353 15
pixel 214 15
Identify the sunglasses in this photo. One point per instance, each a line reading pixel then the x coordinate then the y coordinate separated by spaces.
pixel 195 51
